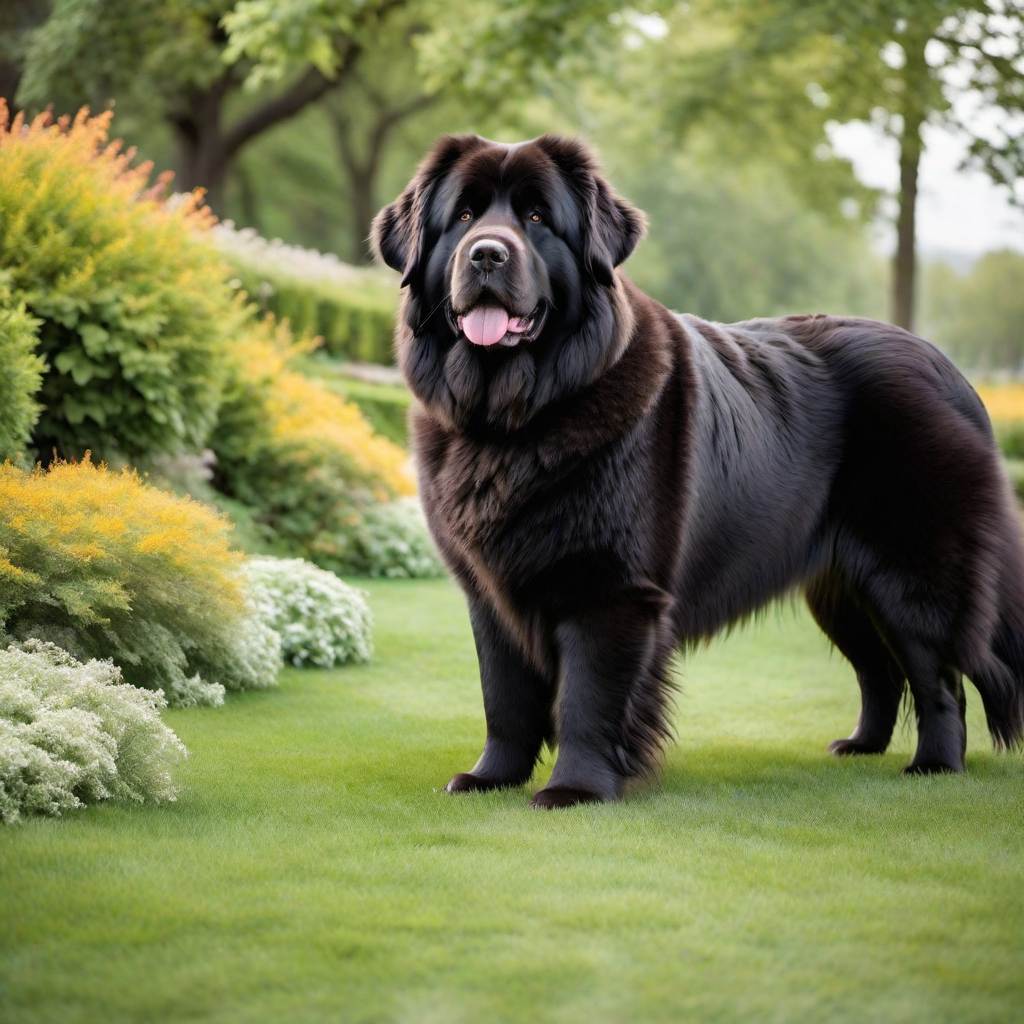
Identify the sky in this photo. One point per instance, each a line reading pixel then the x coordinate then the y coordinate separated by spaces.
pixel 958 211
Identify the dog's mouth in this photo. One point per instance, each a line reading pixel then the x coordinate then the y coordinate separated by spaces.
pixel 488 325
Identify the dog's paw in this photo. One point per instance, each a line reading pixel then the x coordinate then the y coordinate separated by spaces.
pixel 932 768
pixel 564 796
pixel 467 782
pixel 851 746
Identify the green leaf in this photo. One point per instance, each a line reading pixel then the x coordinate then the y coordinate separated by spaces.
pixel 94 338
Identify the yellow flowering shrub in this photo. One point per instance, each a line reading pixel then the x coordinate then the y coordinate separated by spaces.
pixel 105 565
pixel 303 458
pixel 1005 402
pixel 147 351
pixel 1005 405
pixel 134 311
pixel 21 372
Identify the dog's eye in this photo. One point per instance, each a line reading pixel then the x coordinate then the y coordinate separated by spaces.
pixel 465 215
pixel 535 216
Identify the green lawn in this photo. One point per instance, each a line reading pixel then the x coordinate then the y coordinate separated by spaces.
pixel 314 871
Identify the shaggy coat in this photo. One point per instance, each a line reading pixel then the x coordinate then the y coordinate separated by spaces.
pixel 609 481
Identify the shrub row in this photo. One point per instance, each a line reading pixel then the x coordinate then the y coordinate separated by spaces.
pixel 351 308
pixel 120 332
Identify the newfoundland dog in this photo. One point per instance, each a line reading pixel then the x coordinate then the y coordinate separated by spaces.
pixel 609 481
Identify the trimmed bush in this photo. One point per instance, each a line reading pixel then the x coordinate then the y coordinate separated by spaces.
pixel 72 734
pixel 321 620
pixel 21 372
pixel 351 308
pixel 135 313
pixel 104 565
pixel 304 460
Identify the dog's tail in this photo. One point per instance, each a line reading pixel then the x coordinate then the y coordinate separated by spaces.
pixel 1000 678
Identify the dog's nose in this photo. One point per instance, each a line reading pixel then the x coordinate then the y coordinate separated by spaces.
pixel 488 252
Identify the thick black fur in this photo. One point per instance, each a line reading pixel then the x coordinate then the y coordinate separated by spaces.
pixel 625 481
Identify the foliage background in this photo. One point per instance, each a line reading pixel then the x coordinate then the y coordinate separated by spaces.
pixel 312 868
pixel 714 117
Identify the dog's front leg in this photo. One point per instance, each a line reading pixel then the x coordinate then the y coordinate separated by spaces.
pixel 517 706
pixel 608 656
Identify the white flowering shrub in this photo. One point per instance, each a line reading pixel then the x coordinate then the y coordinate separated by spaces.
pixel 251 656
pixel 321 620
pixel 73 733
pixel 279 259
pixel 192 692
pixel 392 540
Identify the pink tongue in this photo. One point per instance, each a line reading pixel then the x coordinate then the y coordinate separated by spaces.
pixel 485 325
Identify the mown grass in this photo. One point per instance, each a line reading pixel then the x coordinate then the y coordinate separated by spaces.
pixel 314 871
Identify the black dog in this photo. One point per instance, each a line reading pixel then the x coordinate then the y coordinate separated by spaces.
pixel 609 481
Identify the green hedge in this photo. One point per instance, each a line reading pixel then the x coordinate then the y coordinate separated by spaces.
pixel 352 308
pixel 353 326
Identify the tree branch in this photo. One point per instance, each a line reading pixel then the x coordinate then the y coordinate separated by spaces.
pixel 308 89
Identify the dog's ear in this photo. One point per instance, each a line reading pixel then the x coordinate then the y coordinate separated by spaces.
pixel 399 231
pixel 615 231
pixel 392 232
pixel 612 226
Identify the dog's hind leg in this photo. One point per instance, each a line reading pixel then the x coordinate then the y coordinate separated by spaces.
pixel 922 637
pixel 940 706
pixel 879 675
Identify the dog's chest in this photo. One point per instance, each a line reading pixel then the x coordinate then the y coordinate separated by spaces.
pixel 519 508
pixel 477 488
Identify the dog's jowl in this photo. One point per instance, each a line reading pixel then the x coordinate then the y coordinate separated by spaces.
pixel 609 481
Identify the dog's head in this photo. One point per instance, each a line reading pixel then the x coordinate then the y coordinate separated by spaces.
pixel 508 256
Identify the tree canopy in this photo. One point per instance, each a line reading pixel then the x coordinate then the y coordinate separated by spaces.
pixel 303 116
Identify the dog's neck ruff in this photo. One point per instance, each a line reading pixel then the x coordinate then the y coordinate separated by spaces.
pixel 459 389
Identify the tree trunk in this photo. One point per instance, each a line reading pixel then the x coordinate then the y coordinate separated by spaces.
pixel 202 159
pixel 915 82
pixel 362 163
pixel 202 164
pixel 206 149
pixel 10 77
pixel 363 209
pixel 904 292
